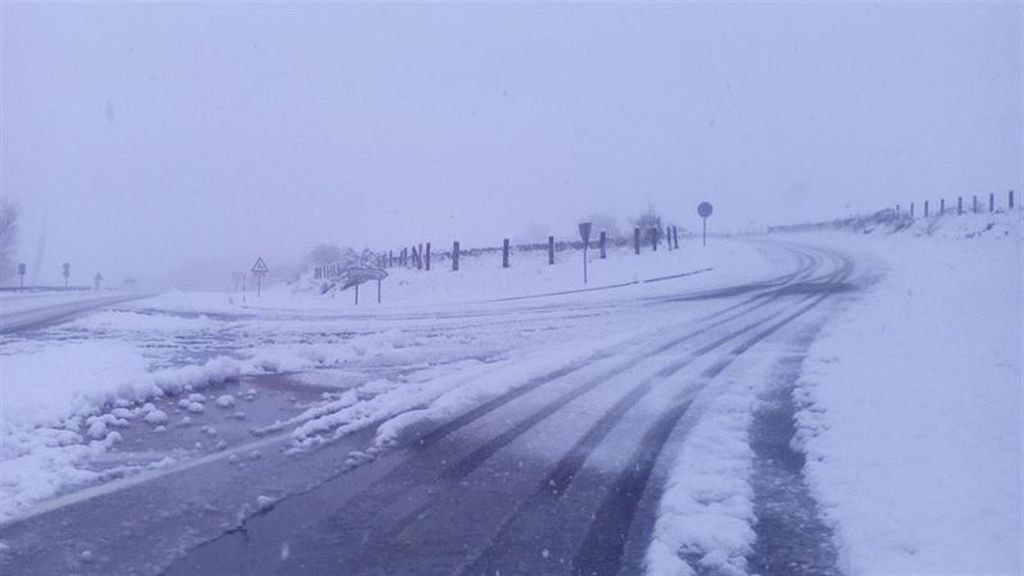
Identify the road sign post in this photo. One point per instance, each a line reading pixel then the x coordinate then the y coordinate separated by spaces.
pixel 237 276
pixel 585 236
pixel 67 273
pixel 21 272
pixel 704 209
pixel 259 270
pixel 353 277
pixel 97 280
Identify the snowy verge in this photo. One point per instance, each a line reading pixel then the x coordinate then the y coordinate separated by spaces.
pixel 911 407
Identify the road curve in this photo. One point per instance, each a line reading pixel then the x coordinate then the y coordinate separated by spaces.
pixel 472 497
pixel 560 475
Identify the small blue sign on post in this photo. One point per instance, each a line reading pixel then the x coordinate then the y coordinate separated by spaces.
pixel 704 209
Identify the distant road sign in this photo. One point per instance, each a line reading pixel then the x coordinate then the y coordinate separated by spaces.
pixel 585 236
pixel 21 268
pixel 259 270
pixel 260 267
pixel 67 269
pixel 357 276
pixel 704 209
pixel 585 233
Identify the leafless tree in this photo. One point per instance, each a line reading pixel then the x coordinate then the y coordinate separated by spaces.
pixel 324 254
pixel 649 219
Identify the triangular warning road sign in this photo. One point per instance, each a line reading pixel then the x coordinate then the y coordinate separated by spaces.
pixel 260 267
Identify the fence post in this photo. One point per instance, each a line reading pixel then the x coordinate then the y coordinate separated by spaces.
pixel 504 254
pixel 925 208
pixel 378 291
pixel 1011 199
pixel 428 257
pixel 668 238
pixel 897 210
pixel 654 239
pixel 391 258
pixel 959 205
pixel 636 241
pixel 911 209
pixel 675 236
pixel 551 250
pixel 602 241
pixel 974 204
pixel 991 202
pixel 942 206
pixel 357 294
pixel 455 255
pixel 419 258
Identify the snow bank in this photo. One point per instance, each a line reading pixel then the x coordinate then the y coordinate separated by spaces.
pixel 912 409
pixel 706 512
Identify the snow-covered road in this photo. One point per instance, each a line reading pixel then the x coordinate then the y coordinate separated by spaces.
pixel 534 436
pixel 20 312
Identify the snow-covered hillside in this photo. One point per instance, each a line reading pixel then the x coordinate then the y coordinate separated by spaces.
pixel 912 408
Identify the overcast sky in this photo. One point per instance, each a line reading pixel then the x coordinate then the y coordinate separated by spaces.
pixel 147 138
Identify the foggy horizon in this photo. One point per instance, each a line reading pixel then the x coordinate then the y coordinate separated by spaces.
pixel 148 139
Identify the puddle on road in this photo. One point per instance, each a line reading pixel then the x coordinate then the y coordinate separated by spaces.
pixel 216 418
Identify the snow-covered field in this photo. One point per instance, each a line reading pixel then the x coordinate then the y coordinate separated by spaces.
pixel 481 280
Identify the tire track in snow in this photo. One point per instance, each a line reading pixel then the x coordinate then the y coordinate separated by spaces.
pixel 406 508
pixel 404 474
pixel 601 551
pixel 541 508
pixel 806 265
